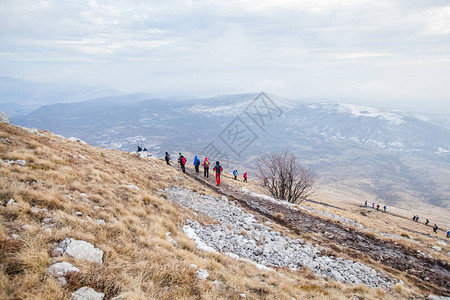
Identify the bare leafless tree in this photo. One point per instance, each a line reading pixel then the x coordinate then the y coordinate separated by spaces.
pixel 285 178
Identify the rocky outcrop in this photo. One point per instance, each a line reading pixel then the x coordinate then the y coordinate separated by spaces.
pixel 239 234
pixel 3 118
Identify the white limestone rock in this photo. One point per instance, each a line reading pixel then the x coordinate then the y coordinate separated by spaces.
pixel 202 274
pixel 75 139
pixel 61 269
pixel 100 221
pixel 21 162
pixel 4 117
pixel 80 250
pixel 87 293
pixel 170 239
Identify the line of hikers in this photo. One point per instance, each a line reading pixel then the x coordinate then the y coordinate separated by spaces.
pixel 416 218
pixel 377 207
pixel 217 168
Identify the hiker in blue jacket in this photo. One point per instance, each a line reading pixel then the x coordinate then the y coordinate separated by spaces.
pixel 196 164
pixel 235 173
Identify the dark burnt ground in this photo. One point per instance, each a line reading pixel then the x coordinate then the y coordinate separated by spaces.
pixel 429 274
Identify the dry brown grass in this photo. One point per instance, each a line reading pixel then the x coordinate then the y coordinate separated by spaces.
pixel 139 262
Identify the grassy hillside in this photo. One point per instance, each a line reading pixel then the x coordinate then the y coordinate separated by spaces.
pixel 116 201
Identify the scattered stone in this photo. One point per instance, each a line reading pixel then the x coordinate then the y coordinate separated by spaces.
pixel 436 248
pixel 434 297
pixel 15 236
pixel 4 117
pixel 20 162
pixel 239 235
pixel 80 250
pixel 79 213
pixel 6 141
pixel 75 139
pixel 11 202
pixel 100 221
pixel 84 195
pixel 48 220
pixel 144 154
pixel 441 243
pixel 26 227
pixel 133 187
pixel 62 269
pixel 170 239
pixel 35 210
pixel 193 266
pixel 242 295
pixel 202 274
pixel 68 196
pixel 86 293
pixel 32 130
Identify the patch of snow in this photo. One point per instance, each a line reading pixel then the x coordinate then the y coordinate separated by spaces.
pixel 371 142
pixel 371 112
pixel 442 150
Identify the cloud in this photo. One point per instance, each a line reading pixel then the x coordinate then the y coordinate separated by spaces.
pixel 438 21
pixel 298 48
pixel 362 55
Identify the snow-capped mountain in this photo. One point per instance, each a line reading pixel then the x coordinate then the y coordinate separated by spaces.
pixel 370 127
pixel 387 153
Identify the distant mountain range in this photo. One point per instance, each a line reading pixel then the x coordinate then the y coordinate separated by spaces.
pixel 387 153
pixel 19 97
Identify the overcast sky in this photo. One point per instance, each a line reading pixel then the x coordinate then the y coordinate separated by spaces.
pixel 386 53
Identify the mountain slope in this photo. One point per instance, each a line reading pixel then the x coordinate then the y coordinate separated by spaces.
pixel 117 202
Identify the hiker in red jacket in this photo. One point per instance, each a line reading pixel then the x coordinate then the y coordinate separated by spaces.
pixel 183 162
pixel 245 177
pixel 218 169
pixel 206 167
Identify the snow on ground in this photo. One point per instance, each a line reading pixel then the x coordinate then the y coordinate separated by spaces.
pixel 240 235
pixel 372 112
